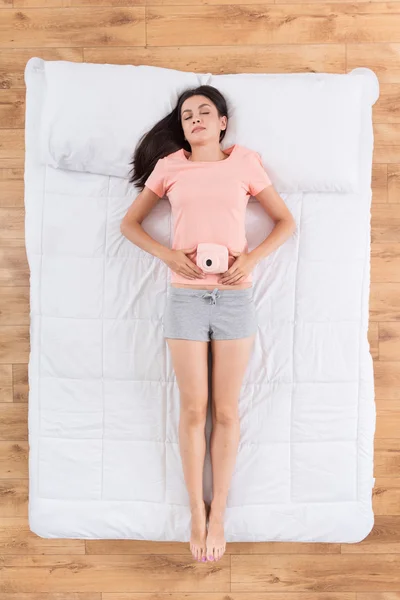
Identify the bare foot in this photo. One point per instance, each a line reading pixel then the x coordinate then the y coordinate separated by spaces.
pixel 215 542
pixel 199 533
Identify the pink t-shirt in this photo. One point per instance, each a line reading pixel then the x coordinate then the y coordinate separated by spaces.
pixel 208 200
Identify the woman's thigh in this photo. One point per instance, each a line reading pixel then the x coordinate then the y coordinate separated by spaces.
pixel 229 363
pixel 190 363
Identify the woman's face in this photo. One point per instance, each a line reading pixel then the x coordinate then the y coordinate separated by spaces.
pixel 200 112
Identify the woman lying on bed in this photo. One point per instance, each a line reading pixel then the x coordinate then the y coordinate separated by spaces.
pixel 210 298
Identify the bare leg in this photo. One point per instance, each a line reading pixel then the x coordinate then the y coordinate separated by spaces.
pixel 230 359
pixel 190 361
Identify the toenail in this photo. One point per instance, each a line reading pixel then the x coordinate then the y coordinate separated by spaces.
pixel 210 558
pixel 203 559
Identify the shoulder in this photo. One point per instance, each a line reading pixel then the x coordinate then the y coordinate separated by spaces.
pixel 246 152
pixel 172 158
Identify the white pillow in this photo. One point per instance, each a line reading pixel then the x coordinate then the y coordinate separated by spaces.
pixel 94 115
pixel 305 126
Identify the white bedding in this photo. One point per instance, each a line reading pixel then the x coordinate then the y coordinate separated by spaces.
pixel 103 400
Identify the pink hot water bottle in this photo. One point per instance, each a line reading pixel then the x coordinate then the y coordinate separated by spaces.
pixel 212 258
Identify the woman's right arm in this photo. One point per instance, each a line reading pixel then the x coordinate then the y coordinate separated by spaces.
pixel 131 224
pixel 131 228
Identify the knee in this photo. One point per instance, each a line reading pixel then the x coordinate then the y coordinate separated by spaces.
pixel 225 415
pixel 194 411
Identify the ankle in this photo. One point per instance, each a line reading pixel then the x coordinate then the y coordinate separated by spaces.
pixel 197 507
pixel 217 509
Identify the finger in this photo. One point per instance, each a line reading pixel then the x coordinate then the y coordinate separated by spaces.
pixel 188 275
pixel 233 280
pixel 189 250
pixel 229 276
pixel 194 269
pixel 233 269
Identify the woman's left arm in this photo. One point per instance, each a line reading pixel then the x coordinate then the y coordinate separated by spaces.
pixel 285 225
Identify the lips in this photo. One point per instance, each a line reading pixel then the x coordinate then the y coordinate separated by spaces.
pixel 198 129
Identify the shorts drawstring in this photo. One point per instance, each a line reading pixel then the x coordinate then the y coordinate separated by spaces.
pixel 212 295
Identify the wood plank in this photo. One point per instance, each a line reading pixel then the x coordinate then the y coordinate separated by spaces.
pixel 389 341
pixel 112 547
pixel 15 162
pixel 20 383
pixel 14 498
pixel 13 62
pixel 387 379
pixel 393 183
pixel 386 500
pixel 383 539
pixel 383 59
pixel 6 383
pixel 12 109
pixel 206 2
pixel 14 305
pixel 12 145
pixel 72 27
pixel 273 24
pixel 386 134
pixel 13 421
pixel 14 344
pixel 55 596
pixel 388 419
pixel 385 262
pixel 13 460
pixel 378 596
pixel 228 596
pixel 16 538
pixel 11 190
pixel 379 184
pixel 82 573
pixel 384 301
pixel 387 108
pixel 387 154
pixel 14 266
pixel 385 224
pixel 343 573
pixel 373 339
pixel 75 3
pixel 12 223
pixel 386 458
pixel 329 58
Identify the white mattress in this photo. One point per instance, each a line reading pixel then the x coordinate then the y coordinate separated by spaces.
pixel 103 400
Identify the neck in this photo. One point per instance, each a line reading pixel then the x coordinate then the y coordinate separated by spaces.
pixel 221 156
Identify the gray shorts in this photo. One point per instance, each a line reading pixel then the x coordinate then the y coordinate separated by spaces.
pixel 204 314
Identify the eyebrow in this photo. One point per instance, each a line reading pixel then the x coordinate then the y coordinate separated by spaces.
pixel 190 110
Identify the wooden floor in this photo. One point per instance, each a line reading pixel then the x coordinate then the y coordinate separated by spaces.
pixel 218 36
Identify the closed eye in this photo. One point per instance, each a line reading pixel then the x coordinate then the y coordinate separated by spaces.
pixel 200 113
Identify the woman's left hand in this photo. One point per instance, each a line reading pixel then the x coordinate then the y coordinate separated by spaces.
pixel 242 266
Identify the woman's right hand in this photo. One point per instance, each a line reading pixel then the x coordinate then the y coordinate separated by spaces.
pixel 178 260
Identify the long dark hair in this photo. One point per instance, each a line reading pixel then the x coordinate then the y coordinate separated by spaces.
pixel 167 135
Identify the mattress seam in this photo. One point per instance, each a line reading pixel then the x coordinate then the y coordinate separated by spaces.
pixel 102 342
pixel 293 350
